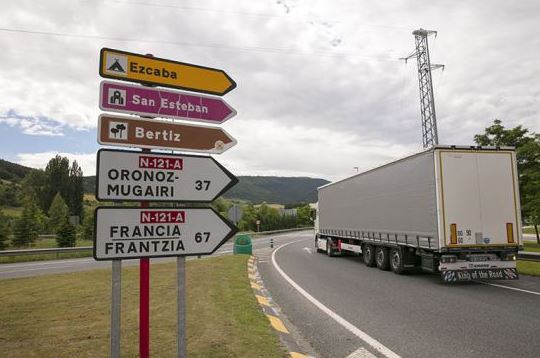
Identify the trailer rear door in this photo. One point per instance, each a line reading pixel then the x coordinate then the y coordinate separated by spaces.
pixel 478 198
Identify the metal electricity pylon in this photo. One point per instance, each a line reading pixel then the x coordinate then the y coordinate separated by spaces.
pixel 427 101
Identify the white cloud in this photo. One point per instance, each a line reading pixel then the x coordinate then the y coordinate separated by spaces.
pixel 87 161
pixel 320 89
pixel 32 125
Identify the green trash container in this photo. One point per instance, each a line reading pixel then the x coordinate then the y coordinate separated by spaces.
pixel 242 245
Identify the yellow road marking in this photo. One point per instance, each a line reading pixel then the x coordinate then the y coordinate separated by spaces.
pixel 262 300
pixel 255 286
pixel 277 324
pixel 298 355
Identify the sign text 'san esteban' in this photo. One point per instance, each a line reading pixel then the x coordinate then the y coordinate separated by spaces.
pixel 138 176
pixel 127 66
pixel 156 102
pixel 123 233
pixel 152 134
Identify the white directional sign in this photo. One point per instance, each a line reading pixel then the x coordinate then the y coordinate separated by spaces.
pixel 137 176
pixel 126 232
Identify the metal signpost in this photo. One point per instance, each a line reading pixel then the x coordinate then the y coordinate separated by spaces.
pixel 148 101
pixel 128 66
pixel 136 176
pixel 144 232
pixel 153 134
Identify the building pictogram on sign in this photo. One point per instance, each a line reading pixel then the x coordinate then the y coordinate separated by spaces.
pixel 118 130
pixel 116 97
pixel 116 64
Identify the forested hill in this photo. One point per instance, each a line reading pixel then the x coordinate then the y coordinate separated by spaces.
pixel 282 190
pixel 258 189
pixel 12 171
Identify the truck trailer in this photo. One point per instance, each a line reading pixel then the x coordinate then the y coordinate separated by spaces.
pixel 452 210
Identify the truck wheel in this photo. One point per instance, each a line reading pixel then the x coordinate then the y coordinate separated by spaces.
pixel 381 258
pixel 396 261
pixel 369 255
pixel 329 249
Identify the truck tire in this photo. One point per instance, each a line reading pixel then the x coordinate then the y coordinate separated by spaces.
pixel 368 252
pixel 396 261
pixel 381 258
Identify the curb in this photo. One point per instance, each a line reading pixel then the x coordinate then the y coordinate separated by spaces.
pixel 271 310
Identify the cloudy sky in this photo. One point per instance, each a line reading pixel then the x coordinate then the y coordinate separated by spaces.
pixel 320 87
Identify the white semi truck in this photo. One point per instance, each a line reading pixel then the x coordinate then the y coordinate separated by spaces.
pixel 449 209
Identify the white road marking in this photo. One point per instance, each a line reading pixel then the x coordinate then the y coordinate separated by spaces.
pixel 361 353
pixel 510 288
pixel 308 250
pixel 378 346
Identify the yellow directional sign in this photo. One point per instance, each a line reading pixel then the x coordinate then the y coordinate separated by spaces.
pixel 133 67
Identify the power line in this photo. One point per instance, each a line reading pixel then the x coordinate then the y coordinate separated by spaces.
pixel 180 7
pixel 189 44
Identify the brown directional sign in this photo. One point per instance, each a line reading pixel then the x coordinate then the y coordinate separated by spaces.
pixel 128 132
pixel 127 66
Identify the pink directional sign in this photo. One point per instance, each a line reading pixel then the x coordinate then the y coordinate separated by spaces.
pixel 148 101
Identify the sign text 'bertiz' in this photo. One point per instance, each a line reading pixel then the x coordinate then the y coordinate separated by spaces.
pixel 138 176
pixel 127 66
pixel 142 133
pixel 156 102
pixel 123 233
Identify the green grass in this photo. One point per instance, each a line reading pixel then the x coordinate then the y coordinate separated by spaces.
pixel 531 246
pixel 529 230
pixel 68 315
pixel 528 267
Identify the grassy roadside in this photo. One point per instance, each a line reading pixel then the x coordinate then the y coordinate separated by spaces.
pixel 68 315
pixel 528 268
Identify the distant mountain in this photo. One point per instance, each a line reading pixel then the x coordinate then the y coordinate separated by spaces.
pixel 12 171
pixel 282 190
pixel 255 189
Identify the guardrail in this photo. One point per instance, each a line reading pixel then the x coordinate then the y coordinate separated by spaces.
pixel 529 256
pixel 53 250
pixel 63 250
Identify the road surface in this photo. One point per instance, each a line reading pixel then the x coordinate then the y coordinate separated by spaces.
pixel 413 315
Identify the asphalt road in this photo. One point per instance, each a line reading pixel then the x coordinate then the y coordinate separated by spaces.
pixel 36 268
pixel 412 315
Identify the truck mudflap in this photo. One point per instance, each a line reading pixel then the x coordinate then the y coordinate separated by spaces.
pixel 480 274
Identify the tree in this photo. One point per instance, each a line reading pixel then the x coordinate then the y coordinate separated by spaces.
pixel 4 231
pixel 57 179
pixel 58 213
pixel 87 227
pixel 26 228
pixel 33 188
pixel 76 189
pixel 528 162
pixel 66 235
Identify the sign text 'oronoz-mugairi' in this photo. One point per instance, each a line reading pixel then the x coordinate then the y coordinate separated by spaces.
pixel 138 176
pixel 154 232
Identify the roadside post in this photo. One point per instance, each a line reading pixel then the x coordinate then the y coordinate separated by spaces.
pixel 125 175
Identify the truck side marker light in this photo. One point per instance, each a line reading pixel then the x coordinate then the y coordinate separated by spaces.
pixel 453 234
pixel 510 233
